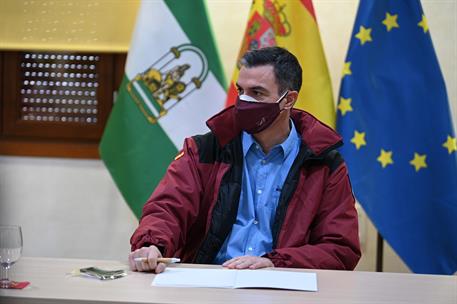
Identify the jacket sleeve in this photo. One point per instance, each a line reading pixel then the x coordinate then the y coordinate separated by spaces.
pixel 174 205
pixel 333 236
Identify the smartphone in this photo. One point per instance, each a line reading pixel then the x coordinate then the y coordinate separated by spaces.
pixel 102 274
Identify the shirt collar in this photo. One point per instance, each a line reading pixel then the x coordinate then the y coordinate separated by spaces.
pixel 291 140
pixel 248 141
pixel 287 145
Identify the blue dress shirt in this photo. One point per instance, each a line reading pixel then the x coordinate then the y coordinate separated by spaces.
pixel 263 178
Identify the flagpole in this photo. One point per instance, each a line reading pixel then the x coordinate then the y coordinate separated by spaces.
pixel 379 253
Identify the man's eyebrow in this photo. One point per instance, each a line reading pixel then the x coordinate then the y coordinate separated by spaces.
pixel 254 88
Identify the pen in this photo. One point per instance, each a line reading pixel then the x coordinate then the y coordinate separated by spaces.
pixel 160 260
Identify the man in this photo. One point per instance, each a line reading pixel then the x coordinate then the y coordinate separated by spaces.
pixel 264 188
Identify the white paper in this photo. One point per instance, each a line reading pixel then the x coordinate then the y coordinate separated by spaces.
pixel 195 277
pixel 229 278
pixel 276 279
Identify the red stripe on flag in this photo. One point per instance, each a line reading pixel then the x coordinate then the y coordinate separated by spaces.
pixel 231 95
pixel 308 4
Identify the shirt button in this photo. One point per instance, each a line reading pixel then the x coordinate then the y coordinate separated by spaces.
pixel 259 191
pixel 250 248
pixel 263 162
pixel 257 147
pixel 256 222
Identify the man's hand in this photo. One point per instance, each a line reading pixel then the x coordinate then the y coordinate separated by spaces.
pixel 251 262
pixel 152 253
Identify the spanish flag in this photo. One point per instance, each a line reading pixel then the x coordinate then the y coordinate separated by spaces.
pixel 292 25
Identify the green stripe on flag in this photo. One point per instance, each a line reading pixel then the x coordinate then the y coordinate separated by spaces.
pixel 199 32
pixel 136 152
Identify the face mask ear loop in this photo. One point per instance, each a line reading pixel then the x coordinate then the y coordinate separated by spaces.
pixel 282 97
pixel 280 100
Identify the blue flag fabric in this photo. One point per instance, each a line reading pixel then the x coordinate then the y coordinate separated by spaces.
pixel 393 113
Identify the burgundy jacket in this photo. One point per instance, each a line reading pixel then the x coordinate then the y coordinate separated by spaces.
pixel 192 210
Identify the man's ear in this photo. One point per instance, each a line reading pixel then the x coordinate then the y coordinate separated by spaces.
pixel 291 98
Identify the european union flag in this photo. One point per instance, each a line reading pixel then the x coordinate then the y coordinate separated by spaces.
pixel 393 112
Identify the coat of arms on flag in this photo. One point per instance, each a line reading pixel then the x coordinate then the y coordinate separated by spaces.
pixel 168 81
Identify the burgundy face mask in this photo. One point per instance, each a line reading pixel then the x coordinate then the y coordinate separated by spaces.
pixel 254 116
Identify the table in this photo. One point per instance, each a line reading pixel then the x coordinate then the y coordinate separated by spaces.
pixel 51 283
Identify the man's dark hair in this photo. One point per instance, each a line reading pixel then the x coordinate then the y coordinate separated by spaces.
pixel 287 69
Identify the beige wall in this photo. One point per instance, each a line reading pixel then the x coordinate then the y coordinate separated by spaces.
pixel 70 208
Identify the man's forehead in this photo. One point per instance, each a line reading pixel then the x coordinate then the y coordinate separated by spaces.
pixel 262 76
pixel 259 69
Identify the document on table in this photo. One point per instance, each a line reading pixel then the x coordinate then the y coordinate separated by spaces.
pixel 230 278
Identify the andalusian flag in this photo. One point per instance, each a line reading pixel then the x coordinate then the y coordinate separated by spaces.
pixel 173 83
pixel 292 25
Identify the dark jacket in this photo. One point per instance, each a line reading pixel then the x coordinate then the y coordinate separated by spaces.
pixel 193 209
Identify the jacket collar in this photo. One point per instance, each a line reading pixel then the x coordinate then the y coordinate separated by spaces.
pixel 317 136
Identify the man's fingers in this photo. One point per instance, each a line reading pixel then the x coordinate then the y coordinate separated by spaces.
pixel 146 259
pixel 228 262
pixel 153 255
pixel 258 264
pixel 142 265
pixel 160 267
pixel 151 263
pixel 245 263
pixel 138 265
pixel 251 262
pixel 232 264
pixel 239 262
pixel 132 262
pixel 262 263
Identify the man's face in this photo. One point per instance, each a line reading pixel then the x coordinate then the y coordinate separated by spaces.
pixel 258 82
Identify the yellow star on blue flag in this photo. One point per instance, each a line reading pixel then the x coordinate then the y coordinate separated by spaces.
pixel 406 177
